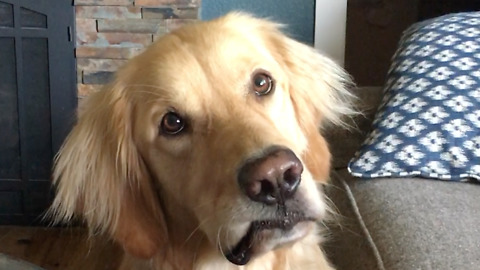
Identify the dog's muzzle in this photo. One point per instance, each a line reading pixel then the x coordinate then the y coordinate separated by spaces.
pixel 271 179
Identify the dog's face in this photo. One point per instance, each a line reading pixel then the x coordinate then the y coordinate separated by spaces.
pixel 222 137
pixel 220 121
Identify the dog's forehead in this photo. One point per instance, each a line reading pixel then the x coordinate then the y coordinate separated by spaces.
pixel 206 62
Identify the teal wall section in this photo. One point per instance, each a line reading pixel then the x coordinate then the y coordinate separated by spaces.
pixel 298 15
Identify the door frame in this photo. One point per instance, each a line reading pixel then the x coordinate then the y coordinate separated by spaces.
pixel 330 28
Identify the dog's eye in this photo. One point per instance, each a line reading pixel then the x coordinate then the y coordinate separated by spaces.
pixel 262 83
pixel 172 124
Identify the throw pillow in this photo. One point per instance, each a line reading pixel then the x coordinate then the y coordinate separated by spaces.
pixel 428 124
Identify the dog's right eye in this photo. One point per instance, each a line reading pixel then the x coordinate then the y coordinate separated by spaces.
pixel 262 83
pixel 172 124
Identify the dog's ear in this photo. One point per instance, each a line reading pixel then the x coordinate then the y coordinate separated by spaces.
pixel 101 177
pixel 319 92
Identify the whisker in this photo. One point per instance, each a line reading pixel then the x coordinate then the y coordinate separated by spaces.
pixel 227 236
pixel 202 222
pixel 195 230
pixel 196 250
pixel 231 221
pixel 218 241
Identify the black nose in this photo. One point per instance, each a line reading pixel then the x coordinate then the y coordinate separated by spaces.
pixel 272 178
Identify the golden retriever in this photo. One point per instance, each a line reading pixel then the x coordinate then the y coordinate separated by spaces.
pixel 205 150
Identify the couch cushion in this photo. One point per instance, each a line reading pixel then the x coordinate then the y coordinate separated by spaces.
pixel 404 224
pixel 429 122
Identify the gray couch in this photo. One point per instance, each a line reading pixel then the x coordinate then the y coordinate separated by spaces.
pixel 398 223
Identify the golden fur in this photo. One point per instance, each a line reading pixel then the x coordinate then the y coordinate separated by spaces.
pixel 173 202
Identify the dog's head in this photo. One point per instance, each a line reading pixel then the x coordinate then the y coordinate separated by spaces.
pixel 215 127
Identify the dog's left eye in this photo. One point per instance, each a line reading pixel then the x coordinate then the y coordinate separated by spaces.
pixel 172 124
pixel 262 83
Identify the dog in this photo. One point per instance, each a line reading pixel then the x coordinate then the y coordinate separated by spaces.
pixel 204 152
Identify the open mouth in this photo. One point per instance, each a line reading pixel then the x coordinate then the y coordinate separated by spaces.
pixel 261 230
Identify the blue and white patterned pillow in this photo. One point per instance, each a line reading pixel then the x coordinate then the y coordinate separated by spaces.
pixel 428 123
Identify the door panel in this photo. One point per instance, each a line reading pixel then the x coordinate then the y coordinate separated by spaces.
pixel 37 102
pixel 32 19
pixel 9 137
pixel 36 95
pixel 6 15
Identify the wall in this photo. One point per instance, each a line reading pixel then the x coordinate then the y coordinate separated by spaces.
pixel 374 28
pixel 108 32
pixel 330 25
pixel 298 15
pixel 111 31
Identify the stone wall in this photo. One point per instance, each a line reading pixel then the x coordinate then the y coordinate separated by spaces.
pixel 108 32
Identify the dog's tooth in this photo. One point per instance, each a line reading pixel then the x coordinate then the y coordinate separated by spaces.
pixel 286 223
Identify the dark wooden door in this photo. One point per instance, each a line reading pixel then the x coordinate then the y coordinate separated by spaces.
pixel 37 101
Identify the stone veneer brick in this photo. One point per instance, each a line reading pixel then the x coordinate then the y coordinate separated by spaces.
pixel 99 64
pixel 132 26
pixel 103 2
pixel 170 13
pixel 79 75
pixel 115 39
pixel 97 77
pixel 106 52
pixel 86 89
pixel 172 25
pixel 176 23
pixel 85 28
pixel 108 32
pixel 108 12
pixel 153 3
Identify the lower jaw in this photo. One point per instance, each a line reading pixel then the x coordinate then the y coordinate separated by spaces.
pixel 260 241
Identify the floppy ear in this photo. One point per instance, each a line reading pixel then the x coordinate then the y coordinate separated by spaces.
pixel 318 90
pixel 101 177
